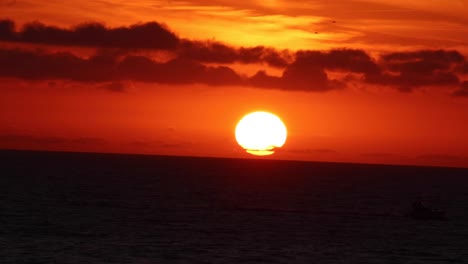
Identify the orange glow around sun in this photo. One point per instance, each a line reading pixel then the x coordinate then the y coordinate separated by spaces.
pixel 260 133
pixel 373 81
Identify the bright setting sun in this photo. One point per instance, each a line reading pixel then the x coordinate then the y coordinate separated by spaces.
pixel 260 133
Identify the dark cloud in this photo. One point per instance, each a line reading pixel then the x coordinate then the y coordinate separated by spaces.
pixel 347 60
pixel 177 71
pixel 262 79
pixel 31 65
pixel 310 71
pixel 306 70
pixel 150 35
pixel 463 91
pixel 296 78
pixel 7 30
pixel 411 70
pixel 304 74
pixel 215 52
pixel 438 59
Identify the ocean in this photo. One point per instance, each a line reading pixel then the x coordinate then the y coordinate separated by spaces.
pixel 110 208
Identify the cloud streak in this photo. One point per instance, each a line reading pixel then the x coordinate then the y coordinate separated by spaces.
pixel 24 138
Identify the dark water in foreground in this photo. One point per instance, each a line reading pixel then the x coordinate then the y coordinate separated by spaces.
pixel 100 208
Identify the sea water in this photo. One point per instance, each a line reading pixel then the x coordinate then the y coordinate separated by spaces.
pixel 106 208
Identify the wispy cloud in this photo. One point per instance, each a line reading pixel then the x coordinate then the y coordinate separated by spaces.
pixel 374 24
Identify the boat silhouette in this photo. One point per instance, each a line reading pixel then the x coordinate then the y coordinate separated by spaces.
pixel 421 212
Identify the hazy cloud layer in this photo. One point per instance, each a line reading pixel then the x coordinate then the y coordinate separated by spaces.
pixel 30 139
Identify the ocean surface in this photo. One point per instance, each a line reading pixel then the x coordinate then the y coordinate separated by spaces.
pixel 106 208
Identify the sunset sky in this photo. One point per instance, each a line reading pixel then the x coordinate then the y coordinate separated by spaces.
pixel 376 81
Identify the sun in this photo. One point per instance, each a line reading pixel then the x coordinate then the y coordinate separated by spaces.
pixel 261 133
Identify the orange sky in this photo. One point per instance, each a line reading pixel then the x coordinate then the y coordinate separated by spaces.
pixel 375 81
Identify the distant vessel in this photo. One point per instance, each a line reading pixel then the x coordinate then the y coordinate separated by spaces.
pixel 421 212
